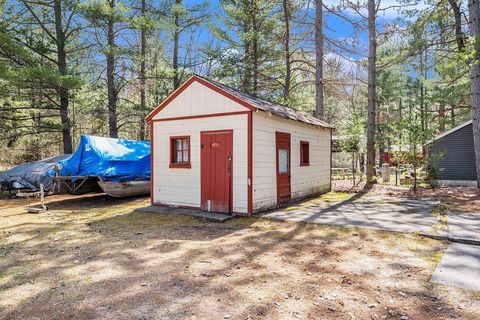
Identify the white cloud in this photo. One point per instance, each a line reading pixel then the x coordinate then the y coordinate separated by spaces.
pixel 389 9
pixel 347 64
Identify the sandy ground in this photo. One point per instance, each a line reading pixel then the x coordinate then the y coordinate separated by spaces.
pixel 94 257
pixel 462 199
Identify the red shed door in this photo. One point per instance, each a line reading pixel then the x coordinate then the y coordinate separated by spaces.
pixel 283 168
pixel 216 171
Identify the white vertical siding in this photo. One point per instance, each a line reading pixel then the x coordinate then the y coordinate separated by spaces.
pixel 182 186
pixel 306 180
pixel 197 99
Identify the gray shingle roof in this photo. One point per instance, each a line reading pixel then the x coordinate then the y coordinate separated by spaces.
pixel 267 106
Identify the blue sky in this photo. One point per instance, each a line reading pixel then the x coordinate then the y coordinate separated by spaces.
pixel 337 28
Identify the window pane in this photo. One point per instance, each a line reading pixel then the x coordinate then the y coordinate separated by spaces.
pixel 180 150
pixel 283 160
pixel 304 153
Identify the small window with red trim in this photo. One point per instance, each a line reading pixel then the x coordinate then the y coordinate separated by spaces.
pixel 304 153
pixel 180 152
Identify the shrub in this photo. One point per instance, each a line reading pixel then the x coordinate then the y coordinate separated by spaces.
pixel 431 174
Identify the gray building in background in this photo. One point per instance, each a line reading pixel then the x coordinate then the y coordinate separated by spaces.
pixel 453 154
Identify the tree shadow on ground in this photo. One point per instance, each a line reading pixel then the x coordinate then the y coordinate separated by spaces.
pixel 140 265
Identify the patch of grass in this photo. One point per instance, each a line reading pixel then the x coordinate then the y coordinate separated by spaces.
pixel 19 276
pixel 440 212
pixel 434 257
pixel 318 231
pixel 271 224
pixel 243 221
pixel 326 198
pixel 334 196
pixel 428 249
pixel 383 235
pixel 3 252
pixel 135 221
pixel 415 243
pixel 292 208
pixel 280 235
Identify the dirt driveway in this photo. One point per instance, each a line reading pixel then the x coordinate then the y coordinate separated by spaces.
pixel 94 257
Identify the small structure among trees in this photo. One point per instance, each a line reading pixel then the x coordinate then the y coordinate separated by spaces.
pixel 452 154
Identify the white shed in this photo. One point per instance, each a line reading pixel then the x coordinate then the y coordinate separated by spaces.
pixel 221 150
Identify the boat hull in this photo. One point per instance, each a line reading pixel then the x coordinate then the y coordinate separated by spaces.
pixel 125 188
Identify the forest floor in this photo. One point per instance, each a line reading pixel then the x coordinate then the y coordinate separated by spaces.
pixel 96 257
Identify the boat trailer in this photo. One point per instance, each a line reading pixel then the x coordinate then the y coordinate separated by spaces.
pixel 28 195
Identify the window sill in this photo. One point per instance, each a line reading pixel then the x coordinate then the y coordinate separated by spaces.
pixel 307 164
pixel 180 165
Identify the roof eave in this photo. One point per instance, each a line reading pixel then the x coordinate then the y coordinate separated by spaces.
pixel 446 133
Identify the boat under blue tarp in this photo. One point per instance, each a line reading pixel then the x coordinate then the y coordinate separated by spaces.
pixel 29 176
pixel 109 159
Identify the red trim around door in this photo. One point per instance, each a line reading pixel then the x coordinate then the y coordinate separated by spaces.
pixel 151 163
pixel 331 156
pixel 283 141
pixel 229 133
pixel 250 163
pixel 207 84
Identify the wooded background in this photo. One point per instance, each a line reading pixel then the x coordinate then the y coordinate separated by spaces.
pixel 99 66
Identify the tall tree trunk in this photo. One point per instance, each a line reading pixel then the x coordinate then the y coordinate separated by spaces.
pixel 474 14
pixel 457 15
pixel 111 90
pixel 288 66
pixel 247 74
pixel 176 43
pixel 441 117
pixel 441 105
pixel 143 47
pixel 422 115
pixel 319 105
pixel 426 112
pixel 247 48
pixel 379 142
pixel 372 85
pixel 453 117
pixel 400 112
pixel 255 50
pixel 62 70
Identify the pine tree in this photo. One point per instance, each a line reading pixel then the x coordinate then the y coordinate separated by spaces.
pixel 38 49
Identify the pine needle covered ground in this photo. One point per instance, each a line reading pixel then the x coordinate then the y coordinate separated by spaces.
pixel 95 257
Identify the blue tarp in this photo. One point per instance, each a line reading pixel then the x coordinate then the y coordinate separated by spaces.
pixel 109 159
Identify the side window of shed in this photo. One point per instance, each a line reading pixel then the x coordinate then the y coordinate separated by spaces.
pixel 304 153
